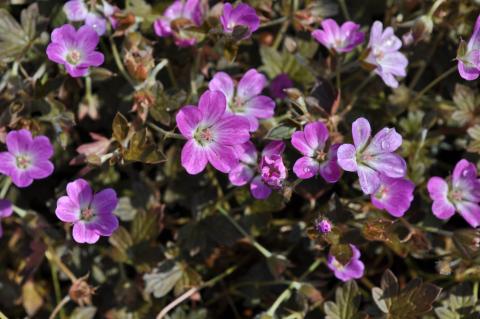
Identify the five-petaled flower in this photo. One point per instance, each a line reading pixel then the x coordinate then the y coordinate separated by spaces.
pixel 242 15
pixel 178 16
pixel 461 194
pixel 354 269
pixel 469 55
pixel 211 134
pixel 312 143
pixel 75 49
pixel 339 38
pixel 91 214
pixel 27 158
pixel 6 210
pixel 372 157
pixel 75 10
pixel 245 100
pixel 394 195
pixel 384 54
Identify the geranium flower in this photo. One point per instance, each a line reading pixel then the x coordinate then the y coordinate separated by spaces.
pixel 354 269
pixel 372 157
pixel 394 195
pixel 384 54
pixel 75 49
pixel 211 134
pixel 242 15
pixel 245 100
pixel 273 172
pixel 97 23
pixel 6 210
pixel 339 39
pixel 311 142
pixel 27 158
pixel 278 84
pixel 461 194
pixel 75 10
pixel 469 57
pixel 243 172
pixel 91 214
pixel 178 15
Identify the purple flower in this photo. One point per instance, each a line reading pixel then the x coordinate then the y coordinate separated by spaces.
pixel 354 269
pixel 27 158
pixel 245 169
pixel 469 59
pixel 190 10
pixel 384 54
pixel 6 210
pixel 245 100
pixel 97 23
pixel 272 171
pixel 461 193
pixel 75 49
pixel 211 133
pixel 394 195
pixel 75 10
pixel 371 158
pixel 278 84
pixel 323 226
pixel 242 15
pixel 312 143
pixel 339 39
pixel 109 12
pixel 91 214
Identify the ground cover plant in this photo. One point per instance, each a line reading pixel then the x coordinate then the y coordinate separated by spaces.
pixel 249 159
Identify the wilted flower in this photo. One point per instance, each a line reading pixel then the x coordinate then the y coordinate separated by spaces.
pixel 278 84
pixel 384 54
pixel 75 10
pixel 91 214
pixel 27 158
pixel 339 39
pixel 6 210
pixel 246 100
pixel 312 142
pixel 242 15
pixel 394 195
pixel 178 15
pixel 323 226
pixel 211 134
pixel 97 23
pixel 461 194
pixel 354 269
pixel 272 171
pixel 371 158
pixel 469 55
pixel 75 49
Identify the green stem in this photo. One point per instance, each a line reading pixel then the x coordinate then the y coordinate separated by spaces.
pixel 264 251
pixel 6 186
pixel 165 133
pixel 19 211
pixel 343 7
pixel 440 78
pixel 119 63
pixel 56 287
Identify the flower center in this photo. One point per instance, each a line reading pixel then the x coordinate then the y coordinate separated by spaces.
pixel 320 155
pixel 74 57
pixel 87 214
pixel 382 191
pixel 338 264
pixel 204 135
pixel 456 195
pixel 237 105
pixel 23 161
pixel 378 53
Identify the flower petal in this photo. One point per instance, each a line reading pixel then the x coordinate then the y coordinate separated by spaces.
pixel 104 202
pixel 6 208
pixel 368 178
pixel 240 175
pixel 251 84
pixel 273 148
pixel 19 141
pixel 300 143
pixel 188 119
pixel 80 192
pixel 386 140
pixel 470 212
pixel 347 157
pixel 306 167
pixel 222 157
pixel 390 164
pixel 21 178
pixel 194 157
pixel 40 169
pixel 7 163
pixel 258 189
pixel 222 82
pixel 361 132
pixel 41 148
pixel 316 135
pixel 212 105
pixel 67 210
pixel 232 130
pixel 83 234
pixel 104 224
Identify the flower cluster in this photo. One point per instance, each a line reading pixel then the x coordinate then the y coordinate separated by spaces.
pixel 77 11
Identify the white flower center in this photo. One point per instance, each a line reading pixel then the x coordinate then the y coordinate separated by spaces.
pixel 23 161
pixel 74 57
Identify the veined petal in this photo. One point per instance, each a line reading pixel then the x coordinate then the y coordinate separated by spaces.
pixel 240 175
pixel 232 130
pixel 390 164
pixel 212 105
pixel 80 192
pixel 386 140
pixel 104 202
pixel 18 142
pixel 222 82
pixel 222 157
pixel 306 167
pixel 259 189
pixel 346 155
pixel 188 119
pixel 368 178
pixel 251 84
pixel 83 234
pixel 67 210
pixel 470 212
pixel 361 132
pixel 316 135
pixel 300 143
pixel 194 157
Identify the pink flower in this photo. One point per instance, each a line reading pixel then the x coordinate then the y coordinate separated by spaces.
pixel 211 133
pixel 323 226
pixel 109 12
pixel 91 214
pixel 469 59
pixel 354 269
pixel 242 15
pixel 339 39
pixel 6 210
pixel 461 194
pixel 245 100
pixel 27 158
pixel 75 10
pixel 372 157
pixel 75 49
pixel 312 144
pixel 394 195
pixel 243 172
pixel 191 10
pixel 97 23
pixel 384 54
pixel 272 171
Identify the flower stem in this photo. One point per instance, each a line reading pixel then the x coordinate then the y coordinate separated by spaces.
pixel 19 211
pixel 6 186
pixel 165 133
pixel 343 7
pixel 440 78
pixel 119 63
pixel 56 287
pixel 59 307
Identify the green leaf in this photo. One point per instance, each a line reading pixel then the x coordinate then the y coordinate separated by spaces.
pixel 281 132
pixel 120 128
pixel 162 280
pixel 142 148
pixel 347 300
pixel 144 226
